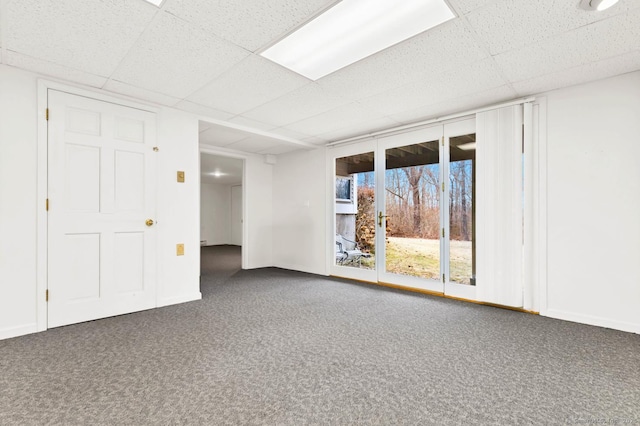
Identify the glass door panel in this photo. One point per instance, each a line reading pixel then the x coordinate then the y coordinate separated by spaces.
pixel 412 204
pixel 462 217
pixel 410 177
pixel 355 208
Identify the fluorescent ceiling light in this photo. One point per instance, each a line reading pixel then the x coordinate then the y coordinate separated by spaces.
pixel 352 30
pixel 217 174
pixel 467 146
pixel 155 2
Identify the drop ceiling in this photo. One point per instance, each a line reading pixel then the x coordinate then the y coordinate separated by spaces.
pixel 202 56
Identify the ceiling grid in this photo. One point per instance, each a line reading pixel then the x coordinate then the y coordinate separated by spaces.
pixel 203 57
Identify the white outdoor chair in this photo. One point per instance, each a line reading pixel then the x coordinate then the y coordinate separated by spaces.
pixel 347 251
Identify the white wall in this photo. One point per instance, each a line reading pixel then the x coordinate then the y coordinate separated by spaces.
pixel 178 211
pixel 177 216
pixel 257 247
pixel 300 211
pixel 18 174
pixel 593 200
pixel 215 213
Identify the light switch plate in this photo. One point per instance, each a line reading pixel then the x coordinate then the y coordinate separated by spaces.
pixel 181 177
pixel 180 249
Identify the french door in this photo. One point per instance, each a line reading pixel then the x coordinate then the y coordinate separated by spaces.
pixel 405 209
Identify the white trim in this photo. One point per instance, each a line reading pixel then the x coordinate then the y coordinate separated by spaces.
pixel 179 299
pixel 529 263
pixel 593 320
pixel 44 86
pixel 463 291
pixel 42 172
pixel 21 330
pixel 541 214
pixel 99 95
pixel 441 120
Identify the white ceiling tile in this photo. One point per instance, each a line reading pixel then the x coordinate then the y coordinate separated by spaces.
pixel 47 68
pixel 449 85
pixel 203 110
pixel 466 6
pixel 288 133
pixel 255 144
pixel 136 92
pixel 249 84
pixel 316 140
pixel 251 23
pixel 361 128
pixel 591 43
pixel 280 149
pixel 90 36
pixel 445 47
pixel 581 74
pixel 337 119
pixel 253 124
pixel 510 24
pixel 222 136
pixel 203 125
pixel 457 105
pixel 302 103
pixel 176 59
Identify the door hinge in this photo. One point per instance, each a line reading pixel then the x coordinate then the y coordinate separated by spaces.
pixel 442 232
pixel 443 280
pixel 156 149
pixel 46 204
pixel 443 141
pixel 442 186
pixel 46 295
pixel 46 114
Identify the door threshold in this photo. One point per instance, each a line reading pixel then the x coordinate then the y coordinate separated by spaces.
pixel 439 294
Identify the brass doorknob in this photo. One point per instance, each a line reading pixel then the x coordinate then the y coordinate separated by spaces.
pixel 149 222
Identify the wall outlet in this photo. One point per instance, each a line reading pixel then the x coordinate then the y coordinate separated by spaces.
pixel 180 249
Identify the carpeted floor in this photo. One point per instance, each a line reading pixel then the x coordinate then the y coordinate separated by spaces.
pixel 276 347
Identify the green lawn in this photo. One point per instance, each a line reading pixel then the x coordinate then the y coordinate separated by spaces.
pixel 421 258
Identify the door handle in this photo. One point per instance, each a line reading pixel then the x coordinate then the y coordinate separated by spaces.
pixel 380 216
pixel 149 222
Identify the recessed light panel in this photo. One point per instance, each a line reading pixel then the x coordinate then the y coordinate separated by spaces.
pixel 352 30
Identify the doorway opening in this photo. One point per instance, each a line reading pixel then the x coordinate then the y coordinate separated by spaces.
pixel 221 215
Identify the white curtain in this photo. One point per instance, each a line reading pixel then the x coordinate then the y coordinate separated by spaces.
pixel 499 206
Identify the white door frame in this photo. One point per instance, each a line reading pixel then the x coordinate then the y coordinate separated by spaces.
pixel 211 150
pixel 42 180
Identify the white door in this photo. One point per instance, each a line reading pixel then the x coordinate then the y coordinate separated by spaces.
pixel 236 215
pixel 101 190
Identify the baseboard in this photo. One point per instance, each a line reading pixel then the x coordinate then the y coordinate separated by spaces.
pixel 592 320
pixel 7 333
pixel 179 299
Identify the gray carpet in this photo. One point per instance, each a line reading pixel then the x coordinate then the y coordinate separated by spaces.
pixel 277 347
